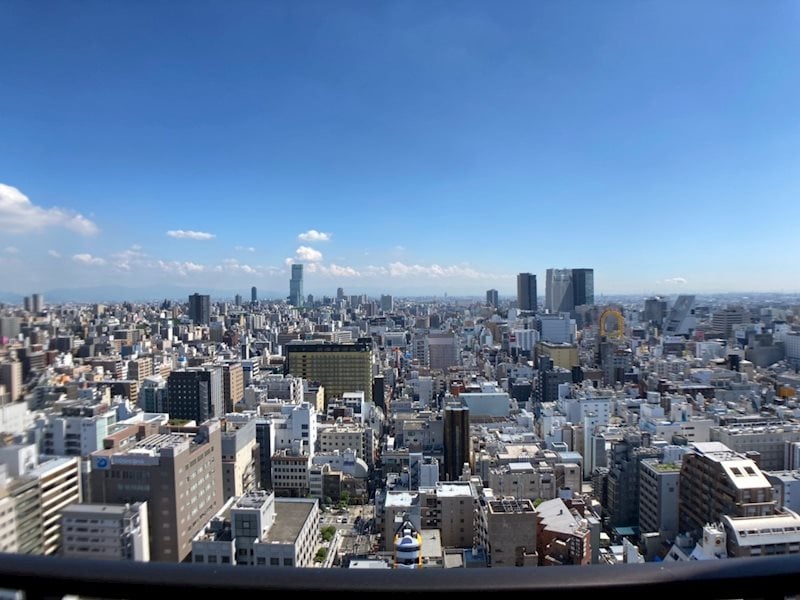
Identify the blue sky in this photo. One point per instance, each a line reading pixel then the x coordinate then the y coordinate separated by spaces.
pixel 401 147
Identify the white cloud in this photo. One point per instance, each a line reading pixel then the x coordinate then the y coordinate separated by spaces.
pixel 245 248
pixel 182 268
pixel 675 280
pixel 340 271
pixel 54 254
pixel 308 253
pixel 88 259
pixel 131 257
pixel 312 235
pixel 434 271
pixel 19 215
pixel 182 234
pixel 12 250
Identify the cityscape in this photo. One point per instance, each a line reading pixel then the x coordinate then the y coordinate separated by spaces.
pixel 339 290
pixel 351 431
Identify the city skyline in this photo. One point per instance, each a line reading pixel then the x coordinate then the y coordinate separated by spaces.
pixel 146 146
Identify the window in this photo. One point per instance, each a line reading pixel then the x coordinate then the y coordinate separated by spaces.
pixel 274 561
pixel 287 562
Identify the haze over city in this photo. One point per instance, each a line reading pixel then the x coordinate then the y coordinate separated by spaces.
pixel 404 148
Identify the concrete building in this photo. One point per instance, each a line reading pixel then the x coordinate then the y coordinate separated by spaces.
pixel 659 485
pixel 534 480
pixel 59 483
pixel 763 536
pixel 290 468
pixel 564 536
pixel 11 377
pixel 787 488
pixel 622 506
pixel 442 350
pixel 258 529
pixel 768 440
pixel 557 328
pixel 8 521
pixel 232 385
pixel 241 472
pixel 564 356
pixel 154 396
pixel 450 508
pixel 140 369
pixel 195 393
pixel 78 431
pixel 716 481
pixel 492 402
pixel 106 531
pixel 178 472
pixel 339 368
pixel 510 536
pixel 343 437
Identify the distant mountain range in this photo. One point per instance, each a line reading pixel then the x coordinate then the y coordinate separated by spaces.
pixel 119 293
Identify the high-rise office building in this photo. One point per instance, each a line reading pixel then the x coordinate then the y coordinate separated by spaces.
pixel 526 292
pixel 37 303
pixel 339 368
pixel 583 286
pixel 196 393
pixel 177 471
pixel 253 295
pixel 387 303
pixel 559 294
pixel 296 286
pixel 200 309
pixel 492 298
pixel 457 441
pixel 567 288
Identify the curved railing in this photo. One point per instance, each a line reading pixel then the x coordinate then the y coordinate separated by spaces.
pixel 47 577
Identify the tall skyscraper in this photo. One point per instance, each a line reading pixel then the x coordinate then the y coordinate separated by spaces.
pixel 491 298
pixel 559 294
pixel 296 286
pixel 567 288
pixel 37 303
pixel 253 295
pixel 526 292
pixel 200 309
pixel 457 441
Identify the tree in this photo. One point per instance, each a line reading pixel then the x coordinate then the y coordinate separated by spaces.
pixel 328 532
pixel 321 555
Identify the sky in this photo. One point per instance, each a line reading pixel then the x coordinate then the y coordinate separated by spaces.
pixel 408 147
